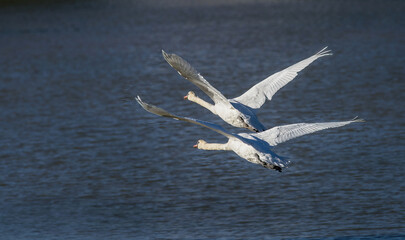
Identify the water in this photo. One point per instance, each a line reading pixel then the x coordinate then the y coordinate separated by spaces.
pixel 81 160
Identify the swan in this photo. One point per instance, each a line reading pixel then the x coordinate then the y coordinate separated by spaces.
pixel 254 147
pixel 239 112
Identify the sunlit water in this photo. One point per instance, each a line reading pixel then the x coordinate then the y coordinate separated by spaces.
pixel 79 159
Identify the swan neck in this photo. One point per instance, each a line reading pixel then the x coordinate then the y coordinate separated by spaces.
pixel 215 146
pixel 203 103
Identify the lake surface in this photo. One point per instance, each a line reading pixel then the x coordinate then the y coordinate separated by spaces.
pixel 79 159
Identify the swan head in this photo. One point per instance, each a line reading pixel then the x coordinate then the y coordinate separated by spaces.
pixel 190 96
pixel 200 144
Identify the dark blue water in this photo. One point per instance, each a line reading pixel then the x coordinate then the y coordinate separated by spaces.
pixel 79 159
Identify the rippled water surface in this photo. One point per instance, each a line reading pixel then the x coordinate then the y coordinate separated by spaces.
pixel 79 159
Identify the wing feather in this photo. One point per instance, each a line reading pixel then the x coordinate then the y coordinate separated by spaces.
pixel 284 133
pixel 161 112
pixel 257 95
pixel 189 73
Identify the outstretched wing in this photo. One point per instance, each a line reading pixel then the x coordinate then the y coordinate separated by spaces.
pixel 189 73
pixel 276 160
pixel 256 96
pixel 284 133
pixel 161 112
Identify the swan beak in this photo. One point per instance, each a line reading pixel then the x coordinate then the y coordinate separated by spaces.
pixel 195 146
pixel 185 97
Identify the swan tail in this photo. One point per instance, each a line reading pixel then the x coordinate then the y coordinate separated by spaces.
pixel 277 163
pixel 271 166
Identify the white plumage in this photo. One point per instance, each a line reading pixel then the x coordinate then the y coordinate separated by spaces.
pixel 254 147
pixel 239 111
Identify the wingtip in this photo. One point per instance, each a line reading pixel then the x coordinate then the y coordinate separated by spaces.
pixel 357 119
pixel 165 55
pixel 325 52
pixel 144 105
pixel 139 100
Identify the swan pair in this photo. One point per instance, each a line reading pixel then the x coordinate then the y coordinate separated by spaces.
pixel 239 112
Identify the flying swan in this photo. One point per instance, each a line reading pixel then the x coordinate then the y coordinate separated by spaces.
pixel 254 147
pixel 239 112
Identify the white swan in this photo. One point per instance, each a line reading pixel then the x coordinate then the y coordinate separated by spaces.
pixel 254 147
pixel 239 112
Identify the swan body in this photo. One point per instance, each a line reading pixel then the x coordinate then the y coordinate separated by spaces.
pixel 239 112
pixel 235 114
pixel 254 147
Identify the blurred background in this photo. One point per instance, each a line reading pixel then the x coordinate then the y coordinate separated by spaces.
pixel 80 159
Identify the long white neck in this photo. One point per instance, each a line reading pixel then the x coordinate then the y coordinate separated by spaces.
pixel 203 103
pixel 214 146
